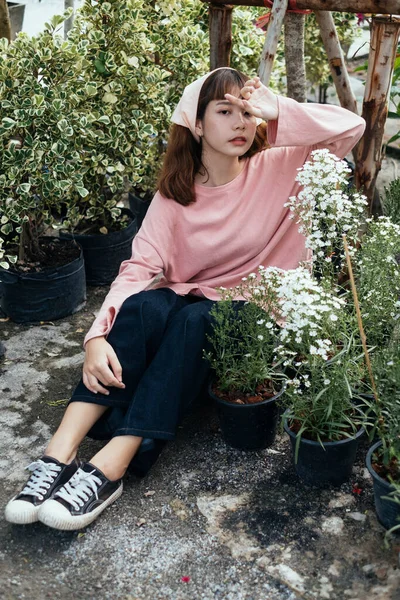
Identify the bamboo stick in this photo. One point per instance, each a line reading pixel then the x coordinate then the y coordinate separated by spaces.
pixel 359 319
pixel 384 7
pixel 278 12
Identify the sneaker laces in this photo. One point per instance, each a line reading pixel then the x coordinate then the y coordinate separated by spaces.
pixel 43 475
pixel 79 488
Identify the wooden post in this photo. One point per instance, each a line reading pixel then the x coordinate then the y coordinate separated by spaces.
pixel 5 27
pixel 220 21
pixel 384 39
pixel 383 7
pixel 336 60
pixel 294 56
pixel 278 12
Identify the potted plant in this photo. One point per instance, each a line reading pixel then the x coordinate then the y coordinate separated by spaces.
pixel 41 277
pixel 119 86
pixel 247 381
pixel 319 339
pixel 319 346
pixel 383 458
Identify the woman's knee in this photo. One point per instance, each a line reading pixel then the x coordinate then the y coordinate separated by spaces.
pixel 151 301
pixel 194 316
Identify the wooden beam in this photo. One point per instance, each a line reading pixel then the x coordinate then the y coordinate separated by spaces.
pixel 384 7
pixel 337 63
pixel 296 82
pixel 384 40
pixel 278 13
pixel 220 21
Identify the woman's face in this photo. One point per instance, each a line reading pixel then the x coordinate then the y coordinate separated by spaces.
pixel 226 129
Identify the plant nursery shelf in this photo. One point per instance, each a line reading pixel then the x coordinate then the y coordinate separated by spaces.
pixel 383 7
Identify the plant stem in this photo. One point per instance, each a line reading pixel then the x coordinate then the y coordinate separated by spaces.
pixel 359 319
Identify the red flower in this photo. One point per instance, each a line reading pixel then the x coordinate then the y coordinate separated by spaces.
pixel 185 579
pixel 356 490
pixel 360 18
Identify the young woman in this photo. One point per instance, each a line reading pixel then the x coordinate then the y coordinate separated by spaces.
pixel 219 214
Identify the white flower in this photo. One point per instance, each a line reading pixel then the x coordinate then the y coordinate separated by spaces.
pixel 260 337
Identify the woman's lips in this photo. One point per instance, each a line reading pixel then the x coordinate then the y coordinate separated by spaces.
pixel 238 141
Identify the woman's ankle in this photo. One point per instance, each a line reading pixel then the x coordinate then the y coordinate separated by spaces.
pixel 65 456
pixel 113 472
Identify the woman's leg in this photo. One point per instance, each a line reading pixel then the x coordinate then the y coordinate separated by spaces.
pixel 78 419
pixel 114 458
pixel 175 377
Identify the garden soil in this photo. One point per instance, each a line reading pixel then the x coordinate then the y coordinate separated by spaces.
pixel 208 522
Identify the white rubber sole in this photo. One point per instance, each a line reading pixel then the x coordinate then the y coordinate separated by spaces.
pixel 56 515
pixel 20 512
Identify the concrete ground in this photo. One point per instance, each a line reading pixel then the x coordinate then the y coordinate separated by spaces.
pixel 237 525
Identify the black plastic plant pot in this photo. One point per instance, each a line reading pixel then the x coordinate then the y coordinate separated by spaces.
pixel 320 466
pixel 104 253
pixel 387 511
pixel 50 294
pixel 248 426
pixel 139 207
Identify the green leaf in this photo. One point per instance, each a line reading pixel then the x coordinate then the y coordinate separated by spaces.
pixel 8 123
pixel 394 138
pixel 110 98
pixel 24 187
pixel 133 61
pixel 83 192
pixel 57 20
pixel 100 66
pixel 90 89
pixel 38 99
pixel 104 119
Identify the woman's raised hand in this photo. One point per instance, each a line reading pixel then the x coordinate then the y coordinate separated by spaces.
pixel 101 366
pixel 256 99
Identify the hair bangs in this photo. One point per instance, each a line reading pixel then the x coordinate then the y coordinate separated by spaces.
pixel 223 81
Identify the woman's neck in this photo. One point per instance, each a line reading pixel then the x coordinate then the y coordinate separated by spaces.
pixel 219 171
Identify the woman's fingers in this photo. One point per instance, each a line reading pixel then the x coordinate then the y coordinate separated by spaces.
pixel 116 368
pixel 93 385
pixel 235 100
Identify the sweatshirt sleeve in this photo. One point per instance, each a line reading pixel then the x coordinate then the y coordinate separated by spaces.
pixel 149 247
pixel 315 126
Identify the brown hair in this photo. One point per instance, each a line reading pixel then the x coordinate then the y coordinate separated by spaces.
pixel 182 160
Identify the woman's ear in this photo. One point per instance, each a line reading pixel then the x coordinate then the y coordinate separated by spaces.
pixel 199 128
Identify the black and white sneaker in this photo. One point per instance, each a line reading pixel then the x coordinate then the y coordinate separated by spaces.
pixel 81 500
pixel 48 475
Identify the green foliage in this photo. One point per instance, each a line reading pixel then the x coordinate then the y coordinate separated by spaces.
pixel 241 346
pixel 395 95
pixel 386 369
pixel 38 150
pixel 121 88
pixel 391 202
pixel 378 280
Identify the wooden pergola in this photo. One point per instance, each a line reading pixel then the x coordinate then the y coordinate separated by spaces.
pixel 385 28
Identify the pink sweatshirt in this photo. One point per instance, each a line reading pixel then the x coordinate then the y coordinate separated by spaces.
pixel 232 229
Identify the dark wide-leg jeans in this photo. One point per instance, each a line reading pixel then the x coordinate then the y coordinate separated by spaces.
pixel 159 339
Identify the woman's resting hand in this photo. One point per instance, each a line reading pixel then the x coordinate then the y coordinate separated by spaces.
pixel 101 366
pixel 257 100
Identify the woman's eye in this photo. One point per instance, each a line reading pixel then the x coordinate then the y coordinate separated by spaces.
pixel 224 112
pixel 247 114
